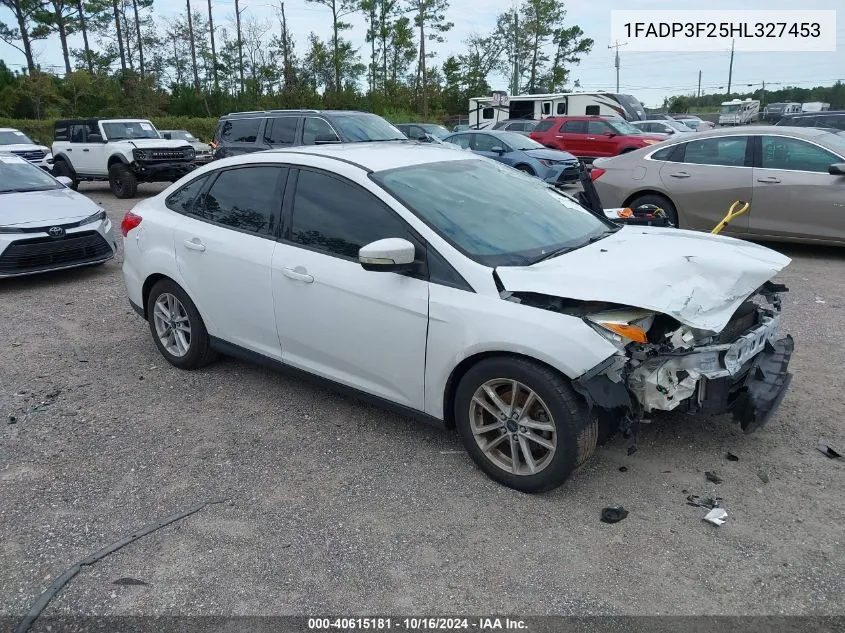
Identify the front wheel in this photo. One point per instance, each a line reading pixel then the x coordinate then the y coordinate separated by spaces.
pixel 177 328
pixel 523 424
pixel 122 180
pixel 61 168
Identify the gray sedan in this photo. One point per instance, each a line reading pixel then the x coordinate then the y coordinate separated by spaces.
pixel 794 179
pixel 45 225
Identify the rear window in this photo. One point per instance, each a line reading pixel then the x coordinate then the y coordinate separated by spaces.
pixel 240 130
pixel 545 124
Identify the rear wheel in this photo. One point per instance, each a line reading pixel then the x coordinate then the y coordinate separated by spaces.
pixel 61 168
pixel 523 424
pixel 122 180
pixel 177 327
pixel 659 201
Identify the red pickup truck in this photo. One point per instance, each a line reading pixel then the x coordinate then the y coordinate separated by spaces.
pixel 589 137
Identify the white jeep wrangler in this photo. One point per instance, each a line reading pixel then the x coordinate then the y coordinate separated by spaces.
pixel 122 151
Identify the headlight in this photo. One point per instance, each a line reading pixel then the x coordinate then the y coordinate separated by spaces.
pixel 621 327
pixel 139 154
pixel 545 163
pixel 10 229
pixel 190 154
pixel 99 216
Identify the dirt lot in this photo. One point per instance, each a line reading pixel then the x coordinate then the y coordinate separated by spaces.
pixel 337 507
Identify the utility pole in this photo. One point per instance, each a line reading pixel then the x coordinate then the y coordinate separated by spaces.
pixel 240 46
pixel 193 48
pixel 699 86
pixel 731 68
pixel 213 49
pixel 616 63
pixel 515 81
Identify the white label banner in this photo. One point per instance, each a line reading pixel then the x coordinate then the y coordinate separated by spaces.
pixel 748 30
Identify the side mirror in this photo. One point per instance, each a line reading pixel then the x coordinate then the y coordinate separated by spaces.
pixel 610 134
pixel 67 182
pixel 498 150
pixel 325 139
pixel 837 169
pixel 392 254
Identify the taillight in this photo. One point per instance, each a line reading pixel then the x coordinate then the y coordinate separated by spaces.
pixel 596 173
pixel 130 221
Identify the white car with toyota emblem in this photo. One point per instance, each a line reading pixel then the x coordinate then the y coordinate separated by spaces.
pixel 45 225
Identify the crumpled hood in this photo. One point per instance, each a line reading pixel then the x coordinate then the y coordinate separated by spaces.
pixel 39 208
pixel 550 154
pixel 697 278
pixel 158 143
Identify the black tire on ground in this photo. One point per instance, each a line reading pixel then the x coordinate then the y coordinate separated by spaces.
pixel 576 428
pixel 660 201
pixel 123 182
pixel 199 352
pixel 61 168
pixel 526 169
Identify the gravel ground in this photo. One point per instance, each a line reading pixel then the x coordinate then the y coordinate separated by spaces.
pixel 333 506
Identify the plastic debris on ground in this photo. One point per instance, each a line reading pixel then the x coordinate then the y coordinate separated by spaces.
pixel 713 477
pixel 763 476
pixel 613 515
pixel 703 502
pixel 825 448
pixel 731 457
pixel 716 516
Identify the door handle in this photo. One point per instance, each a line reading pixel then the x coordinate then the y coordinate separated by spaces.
pixel 297 275
pixel 591 138
pixel 194 245
pixel 768 179
pixel 680 174
pixel 69 149
pixel 86 150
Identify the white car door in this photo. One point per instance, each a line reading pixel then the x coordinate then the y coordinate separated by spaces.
pixel 336 320
pixel 224 249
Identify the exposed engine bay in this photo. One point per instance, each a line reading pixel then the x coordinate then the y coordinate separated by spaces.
pixel 665 365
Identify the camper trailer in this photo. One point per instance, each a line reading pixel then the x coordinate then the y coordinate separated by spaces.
pixel 739 112
pixel 774 112
pixel 815 106
pixel 485 112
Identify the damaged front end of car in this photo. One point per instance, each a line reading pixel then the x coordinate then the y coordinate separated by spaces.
pixel 665 365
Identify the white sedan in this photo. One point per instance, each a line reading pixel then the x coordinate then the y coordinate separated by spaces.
pixel 45 225
pixel 460 291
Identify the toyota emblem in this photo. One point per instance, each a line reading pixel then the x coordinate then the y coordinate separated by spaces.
pixel 56 231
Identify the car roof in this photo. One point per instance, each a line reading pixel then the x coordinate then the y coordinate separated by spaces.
pixel 268 113
pixel 377 156
pixel 804 132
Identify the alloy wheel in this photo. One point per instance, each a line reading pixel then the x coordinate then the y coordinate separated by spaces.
pixel 172 325
pixel 512 426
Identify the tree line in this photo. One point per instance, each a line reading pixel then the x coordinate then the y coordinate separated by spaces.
pixel 834 95
pixel 131 61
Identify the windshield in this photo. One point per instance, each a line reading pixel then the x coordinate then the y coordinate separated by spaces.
pixel 182 135
pixel 129 130
pixel 493 213
pixel 623 127
pixel 436 130
pixel 18 175
pixel 14 138
pixel 356 128
pixel 735 107
pixel 518 141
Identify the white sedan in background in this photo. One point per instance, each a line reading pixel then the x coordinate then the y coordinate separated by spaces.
pixel 459 291
pixel 45 225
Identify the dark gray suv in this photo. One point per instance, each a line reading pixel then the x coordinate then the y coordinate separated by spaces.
pixel 245 132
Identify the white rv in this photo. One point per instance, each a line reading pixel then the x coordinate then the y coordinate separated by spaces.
pixel 815 106
pixel 485 112
pixel 739 112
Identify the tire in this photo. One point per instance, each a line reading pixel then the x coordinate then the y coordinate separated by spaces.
pixel 526 170
pixel 61 168
pixel 122 181
pixel 195 348
pixel 572 431
pixel 660 201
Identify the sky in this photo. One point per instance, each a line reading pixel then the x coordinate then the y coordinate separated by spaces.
pixel 649 76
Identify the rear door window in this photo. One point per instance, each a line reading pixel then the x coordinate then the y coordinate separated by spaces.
pixel 597 127
pixel 240 130
pixel 281 131
pixel 728 151
pixel 780 152
pixel 461 140
pixel 246 198
pixel 574 127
